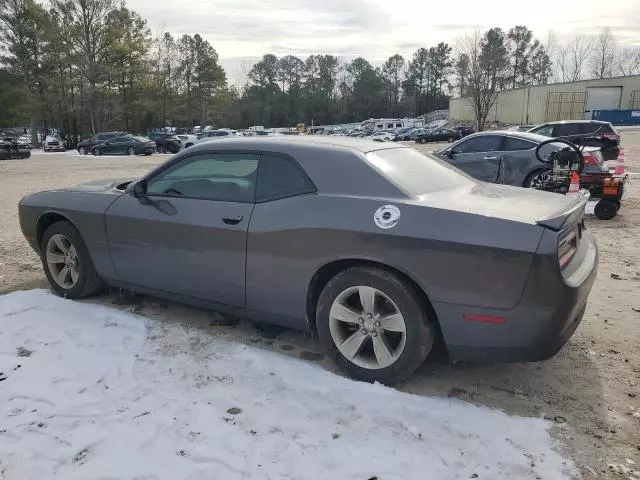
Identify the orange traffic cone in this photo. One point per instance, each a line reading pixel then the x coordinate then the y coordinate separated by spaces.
pixel 574 186
pixel 619 163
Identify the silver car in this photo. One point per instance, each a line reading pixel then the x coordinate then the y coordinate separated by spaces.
pixel 509 158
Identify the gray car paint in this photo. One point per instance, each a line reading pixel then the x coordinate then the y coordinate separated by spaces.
pixel 473 248
pixel 504 167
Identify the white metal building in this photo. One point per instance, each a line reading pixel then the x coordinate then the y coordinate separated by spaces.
pixel 556 101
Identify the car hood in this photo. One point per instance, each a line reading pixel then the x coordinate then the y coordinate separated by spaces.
pixel 503 201
pixel 100 185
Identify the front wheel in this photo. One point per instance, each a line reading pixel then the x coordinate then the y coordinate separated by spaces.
pixel 131 151
pixel 161 149
pixel 373 325
pixel 82 151
pixel 423 140
pixel 67 263
pixel 450 139
pixel 97 152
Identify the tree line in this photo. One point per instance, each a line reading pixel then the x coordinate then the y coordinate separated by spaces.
pixel 84 66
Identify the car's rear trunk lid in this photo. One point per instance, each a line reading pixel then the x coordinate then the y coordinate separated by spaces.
pixel 550 210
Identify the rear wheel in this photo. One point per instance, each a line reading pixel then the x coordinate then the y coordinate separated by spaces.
pixel 450 140
pixel 188 145
pixel 537 179
pixel 373 325
pixel 423 140
pixel 131 151
pixel 67 263
pixel 161 149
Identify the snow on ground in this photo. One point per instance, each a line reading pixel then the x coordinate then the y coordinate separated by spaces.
pixel 91 392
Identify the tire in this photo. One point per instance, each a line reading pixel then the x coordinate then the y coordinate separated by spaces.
pixel 605 209
pixel 82 151
pixel 161 149
pixel 450 139
pixel 97 152
pixel 423 140
pixel 87 282
pixel 408 350
pixel 188 145
pixel 530 179
pixel 131 151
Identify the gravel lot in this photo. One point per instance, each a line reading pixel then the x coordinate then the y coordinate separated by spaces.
pixel 591 388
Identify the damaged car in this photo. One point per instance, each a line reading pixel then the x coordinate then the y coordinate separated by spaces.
pixel 509 158
pixel 381 251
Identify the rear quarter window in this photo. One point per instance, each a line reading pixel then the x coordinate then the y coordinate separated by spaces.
pixel 516 144
pixel 416 173
pixel 280 177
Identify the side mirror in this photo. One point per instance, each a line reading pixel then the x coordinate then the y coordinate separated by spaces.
pixel 137 189
pixel 449 153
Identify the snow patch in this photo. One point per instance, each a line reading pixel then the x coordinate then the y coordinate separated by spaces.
pixel 107 394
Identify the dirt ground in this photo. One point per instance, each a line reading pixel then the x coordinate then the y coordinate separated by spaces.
pixel 590 389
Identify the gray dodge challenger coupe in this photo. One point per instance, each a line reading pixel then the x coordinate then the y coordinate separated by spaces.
pixel 380 249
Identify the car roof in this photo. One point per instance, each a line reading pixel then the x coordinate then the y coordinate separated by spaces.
pixel 533 137
pixel 285 142
pixel 562 122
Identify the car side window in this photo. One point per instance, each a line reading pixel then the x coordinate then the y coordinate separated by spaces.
pixel 566 129
pixel 483 143
pixel 227 177
pixel 544 131
pixel 512 144
pixel 587 128
pixel 279 177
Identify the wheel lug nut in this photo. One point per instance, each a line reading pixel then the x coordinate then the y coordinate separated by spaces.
pixel 378 324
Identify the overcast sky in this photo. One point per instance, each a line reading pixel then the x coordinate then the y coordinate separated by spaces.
pixel 243 30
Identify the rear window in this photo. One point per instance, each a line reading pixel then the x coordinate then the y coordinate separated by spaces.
pixel 415 173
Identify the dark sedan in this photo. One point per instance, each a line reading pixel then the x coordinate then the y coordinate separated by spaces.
pixel 87 145
pixel 438 135
pixel 508 157
pixel 276 229
pixel 128 145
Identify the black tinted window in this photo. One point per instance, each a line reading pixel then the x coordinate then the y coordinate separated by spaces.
pixel 484 143
pixel 208 176
pixel 514 144
pixel 566 129
pixel 279 177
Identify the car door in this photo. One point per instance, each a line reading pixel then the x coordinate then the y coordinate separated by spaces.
pixel 478 156
pixel 518 160
pixel 188 234
pixel 118 145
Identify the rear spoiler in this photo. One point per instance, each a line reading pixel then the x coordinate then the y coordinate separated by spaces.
pixel 558 220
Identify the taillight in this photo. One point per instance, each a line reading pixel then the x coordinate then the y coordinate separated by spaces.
pixel 593 158
pixel 567 248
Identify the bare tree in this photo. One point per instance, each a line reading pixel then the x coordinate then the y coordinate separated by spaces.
pixel 571 58
pixel 603 59
pixel 628 61
pixel 486 70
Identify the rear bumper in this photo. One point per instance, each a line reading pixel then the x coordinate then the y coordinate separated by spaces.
pixel 550 311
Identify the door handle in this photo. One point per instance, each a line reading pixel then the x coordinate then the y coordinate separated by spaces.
pixel 232 220
pixel 490 158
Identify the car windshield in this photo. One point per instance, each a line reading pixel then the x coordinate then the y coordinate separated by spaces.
pixel 416 173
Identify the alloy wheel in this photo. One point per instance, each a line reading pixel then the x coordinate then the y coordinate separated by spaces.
pixel 367 327
pixel 131 151
pixel 62 259
pixel 541 179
